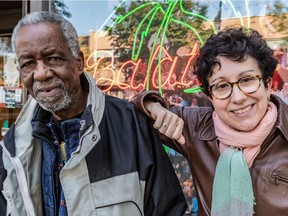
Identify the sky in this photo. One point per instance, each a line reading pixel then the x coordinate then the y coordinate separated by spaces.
pixel 90 15
pixel 94 14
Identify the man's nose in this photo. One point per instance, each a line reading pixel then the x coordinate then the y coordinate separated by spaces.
pixel 42 71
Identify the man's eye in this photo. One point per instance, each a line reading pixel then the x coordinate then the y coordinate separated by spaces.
pixel 27 66
pixel 54 59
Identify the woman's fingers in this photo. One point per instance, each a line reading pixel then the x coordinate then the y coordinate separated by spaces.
pixel 167 123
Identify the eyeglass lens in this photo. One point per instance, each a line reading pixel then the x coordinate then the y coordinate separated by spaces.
pixel 247 85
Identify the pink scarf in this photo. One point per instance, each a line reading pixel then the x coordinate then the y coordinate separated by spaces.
pixel 250 141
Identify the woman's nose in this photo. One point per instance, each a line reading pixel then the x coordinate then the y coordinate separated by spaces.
pixel 237 95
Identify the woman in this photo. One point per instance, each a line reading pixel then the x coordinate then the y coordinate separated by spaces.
pixel 238 148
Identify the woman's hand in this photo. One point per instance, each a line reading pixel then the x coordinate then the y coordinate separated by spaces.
pixel 166 122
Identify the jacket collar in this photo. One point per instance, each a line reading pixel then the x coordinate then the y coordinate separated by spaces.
pixel 282 118
pixel 21 131
pixel 206 128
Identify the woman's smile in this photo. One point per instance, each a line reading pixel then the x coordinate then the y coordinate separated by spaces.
pixel 242 110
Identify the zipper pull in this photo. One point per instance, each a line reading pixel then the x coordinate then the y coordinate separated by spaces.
pixel 63 151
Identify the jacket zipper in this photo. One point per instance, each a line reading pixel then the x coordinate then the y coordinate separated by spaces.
pixel 55 182
pixel 280 177
pixel 81 140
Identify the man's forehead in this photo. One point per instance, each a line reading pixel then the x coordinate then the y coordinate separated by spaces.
pixel 44 43
pixel 46 32
pixel 37 28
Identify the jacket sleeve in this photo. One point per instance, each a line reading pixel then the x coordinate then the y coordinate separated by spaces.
pixel 139 99
pixel 3 174
pixel 163 193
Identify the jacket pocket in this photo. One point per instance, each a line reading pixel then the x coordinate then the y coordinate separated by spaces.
pixel 280 177
pixel 119 195
pixel 124 208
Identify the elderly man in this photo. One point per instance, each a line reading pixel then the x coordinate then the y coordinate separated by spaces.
pixel 74 150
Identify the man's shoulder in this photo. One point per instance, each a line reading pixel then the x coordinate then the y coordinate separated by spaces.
pixel 120 107
pixel 111 101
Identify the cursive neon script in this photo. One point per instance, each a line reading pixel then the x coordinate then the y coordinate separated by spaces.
pixel 136 77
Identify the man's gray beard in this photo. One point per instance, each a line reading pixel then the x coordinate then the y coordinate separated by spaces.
pixel 48 104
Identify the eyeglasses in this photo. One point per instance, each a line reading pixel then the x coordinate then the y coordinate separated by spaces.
pixel 248 85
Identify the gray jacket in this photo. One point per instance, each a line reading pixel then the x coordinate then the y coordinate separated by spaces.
pixel 119 167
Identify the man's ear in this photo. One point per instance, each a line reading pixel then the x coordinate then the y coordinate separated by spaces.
pixel 81 62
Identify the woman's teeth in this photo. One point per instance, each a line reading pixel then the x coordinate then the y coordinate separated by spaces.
pixel 243 110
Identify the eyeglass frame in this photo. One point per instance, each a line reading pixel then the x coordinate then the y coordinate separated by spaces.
pixel 236 83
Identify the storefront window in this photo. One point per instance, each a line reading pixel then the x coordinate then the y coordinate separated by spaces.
pixel 11 92
pixel 134 45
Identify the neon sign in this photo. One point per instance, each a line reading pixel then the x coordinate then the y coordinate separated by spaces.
pixel 143 30
pixel 160 35
pixel 138 79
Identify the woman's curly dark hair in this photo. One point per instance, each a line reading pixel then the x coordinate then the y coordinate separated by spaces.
pixel 234 43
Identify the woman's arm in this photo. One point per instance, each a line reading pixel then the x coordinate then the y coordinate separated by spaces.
pixel 157 108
